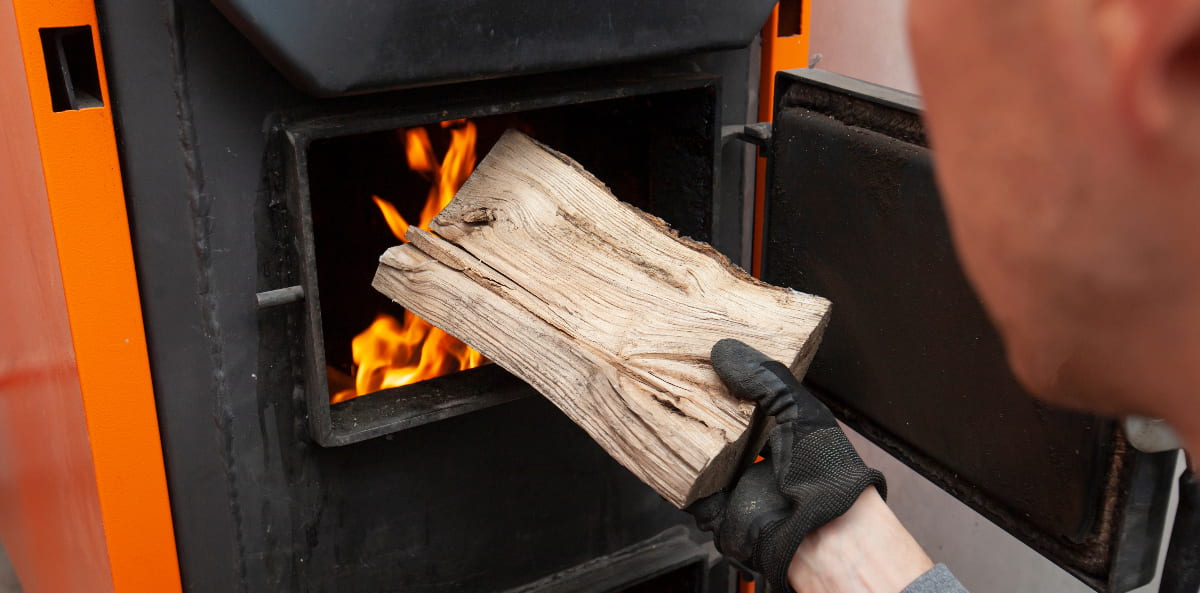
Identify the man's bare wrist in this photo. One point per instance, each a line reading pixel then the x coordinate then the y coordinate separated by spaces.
pixel 866 550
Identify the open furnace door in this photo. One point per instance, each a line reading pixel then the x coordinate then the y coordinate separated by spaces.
pixel 911 361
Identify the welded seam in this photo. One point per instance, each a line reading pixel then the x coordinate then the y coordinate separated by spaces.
pixel 199 209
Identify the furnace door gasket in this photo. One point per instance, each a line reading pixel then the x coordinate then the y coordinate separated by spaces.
pixel 443 397
pixel 910 359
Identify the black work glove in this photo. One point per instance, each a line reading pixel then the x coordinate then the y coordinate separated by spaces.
pixel 812 474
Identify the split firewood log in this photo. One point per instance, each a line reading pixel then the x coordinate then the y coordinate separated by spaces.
pixel 604 310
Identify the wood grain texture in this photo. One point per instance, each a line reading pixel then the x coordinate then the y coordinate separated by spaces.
pixel 603 309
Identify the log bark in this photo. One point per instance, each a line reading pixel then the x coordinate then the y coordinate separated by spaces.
pixel 603 309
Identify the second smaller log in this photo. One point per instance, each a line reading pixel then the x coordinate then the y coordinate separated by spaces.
pixel 603 309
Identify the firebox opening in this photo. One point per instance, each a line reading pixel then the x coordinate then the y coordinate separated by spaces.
pixel 395 348
pixel 356 181
pixel 385 181
pixel 652 139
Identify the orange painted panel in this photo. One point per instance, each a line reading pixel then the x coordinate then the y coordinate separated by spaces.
pixel 49 505
pixel 82 460
pixel 778 53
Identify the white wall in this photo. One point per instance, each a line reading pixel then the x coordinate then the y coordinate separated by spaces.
pixel 867 39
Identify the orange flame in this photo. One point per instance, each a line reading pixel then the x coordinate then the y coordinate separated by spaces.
pixel 394 220
pixel 390 353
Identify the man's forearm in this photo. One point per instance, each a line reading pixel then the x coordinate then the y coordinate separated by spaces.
pixel 866 550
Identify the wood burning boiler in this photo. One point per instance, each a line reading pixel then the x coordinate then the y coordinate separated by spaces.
pixel 252 210
pixel 312 436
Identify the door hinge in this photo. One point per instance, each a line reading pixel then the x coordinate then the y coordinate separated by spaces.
pixel 758 134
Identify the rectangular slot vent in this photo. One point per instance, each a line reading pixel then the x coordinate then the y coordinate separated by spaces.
pixel 71 68
pixel 789 18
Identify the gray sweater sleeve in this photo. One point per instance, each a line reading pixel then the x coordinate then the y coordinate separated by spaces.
pixel 937 580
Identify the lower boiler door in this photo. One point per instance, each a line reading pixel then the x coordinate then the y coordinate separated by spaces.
pixel 910 359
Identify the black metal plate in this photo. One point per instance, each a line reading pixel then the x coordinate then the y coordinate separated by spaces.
pixel 330 48
pixel 910 358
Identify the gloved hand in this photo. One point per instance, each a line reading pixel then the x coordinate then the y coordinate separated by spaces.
pixel 811 476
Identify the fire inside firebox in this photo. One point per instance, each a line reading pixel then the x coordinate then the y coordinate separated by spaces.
pixel 367 188
pixel 393 352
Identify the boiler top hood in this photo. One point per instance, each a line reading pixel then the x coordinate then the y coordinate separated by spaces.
pixel 357 46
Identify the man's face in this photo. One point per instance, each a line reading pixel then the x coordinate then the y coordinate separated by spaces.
pixel 1039 189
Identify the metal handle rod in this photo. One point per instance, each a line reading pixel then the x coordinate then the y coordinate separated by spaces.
pixel 279 296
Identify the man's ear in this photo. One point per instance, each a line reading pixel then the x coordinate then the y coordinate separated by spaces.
pixel 1153 50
